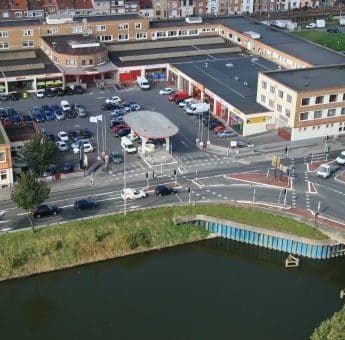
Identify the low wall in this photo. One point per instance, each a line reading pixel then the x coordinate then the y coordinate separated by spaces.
pixel 271 239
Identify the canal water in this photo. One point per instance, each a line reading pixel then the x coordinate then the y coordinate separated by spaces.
pixel 217 289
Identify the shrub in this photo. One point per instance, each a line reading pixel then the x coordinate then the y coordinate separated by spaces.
pixel 139 238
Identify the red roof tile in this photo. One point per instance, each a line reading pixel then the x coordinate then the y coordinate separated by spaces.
pixel 20 4
pixel 65 4
pixel 145 4
pixel 83 4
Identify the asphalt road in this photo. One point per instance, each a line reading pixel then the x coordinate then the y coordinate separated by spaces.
pixel 211 185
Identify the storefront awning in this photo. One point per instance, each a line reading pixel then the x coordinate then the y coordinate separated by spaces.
pixel 41 83
pixel 2 86
pixel 58 82
pixel 50 83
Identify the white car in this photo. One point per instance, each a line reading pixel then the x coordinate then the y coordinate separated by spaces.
pixel 63 136
pixel 311 25
pixel 78 141
pixel 113 100
pixel 40 93
pixel 87 148
pixel 341 158
pixel 62 145
pixel 167 90
pixel 132 194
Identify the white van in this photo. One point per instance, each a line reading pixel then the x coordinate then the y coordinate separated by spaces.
pixel 65 105
pixel 143 83
pixel 197 108
pixel 127 145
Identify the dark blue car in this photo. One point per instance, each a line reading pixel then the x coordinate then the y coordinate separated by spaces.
pixel 38 117
pixel 47 112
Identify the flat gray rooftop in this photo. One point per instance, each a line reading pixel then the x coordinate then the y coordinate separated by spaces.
pixel 219 76
pixel 150 124
pixel 281 40
pixel 312 79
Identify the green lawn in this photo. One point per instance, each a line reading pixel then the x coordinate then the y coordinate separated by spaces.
pixel 335 41
pixel 75 243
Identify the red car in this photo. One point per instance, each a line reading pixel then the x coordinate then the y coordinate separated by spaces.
pixel 118 127
pixel 179 95
pixel 218 128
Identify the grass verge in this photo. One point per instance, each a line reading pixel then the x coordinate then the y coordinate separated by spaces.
pixel 24 253
pixel 335 41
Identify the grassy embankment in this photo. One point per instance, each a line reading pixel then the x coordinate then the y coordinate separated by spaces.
pixel 334 41
pixel 92 240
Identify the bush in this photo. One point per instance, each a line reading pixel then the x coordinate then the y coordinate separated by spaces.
pixel 139 238
pixel 331 329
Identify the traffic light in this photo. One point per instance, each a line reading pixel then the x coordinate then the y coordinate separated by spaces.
pixel 175 172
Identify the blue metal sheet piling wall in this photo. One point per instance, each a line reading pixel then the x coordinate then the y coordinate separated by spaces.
pixel 271 242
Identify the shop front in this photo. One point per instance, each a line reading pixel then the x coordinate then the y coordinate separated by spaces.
pixel 155 73
pixel 126 76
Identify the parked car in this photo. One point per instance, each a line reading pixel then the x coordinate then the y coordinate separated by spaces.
pixel 131 106
pixel 70 114
pixel 63 136
pixel 240 143
pixel 51 137
pixel 80 111
pixel 77 141
pixel 113 100
pixel 7 122
pixel 109 107
pixel 49 93
pixel 119 127
pixel 46 210
pixel 116 157
pixel 38 117
pixel 341 158
pixel 85 133
pixel 67 167
pixel 62 146
pixel 14 96
pixel 85 204
pixel 40 93
pixel 68 91
pixel 78 89
pixel 3 114
pixel 218 128
pixel 59 115
pixel 167 91
pixel 72 134
pixel 162 190
pixel 311 25
pixel 132 194
pixel 27 118
pixel 227 134
pixel 178 95
pixel 65 105
pixel 123 132
pixel 333 30
pixel 87 147
pixel 48 112
pixel 212 125
pixel 59 92
pixel 50 171
pixel 4 97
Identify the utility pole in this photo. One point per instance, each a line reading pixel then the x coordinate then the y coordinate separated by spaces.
pixel 124 184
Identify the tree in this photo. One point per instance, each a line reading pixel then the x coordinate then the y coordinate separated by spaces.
pixel 29 193
pixel 331 329
pixel 39 153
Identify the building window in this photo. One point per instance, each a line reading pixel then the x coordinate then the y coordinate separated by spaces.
pixel 52 30
pixel 3 45
pixel 263 98
pixel 289 98
pixel 141 35
pixel 71 62
pixel 183 32
pixel 138 25
pixel 77 29
pixel 272 89
pixel 342 112
pixel 123 37
pixel 172 33
pixel 101 59
pixel 271 103
pixel 3 175
pixel 344 97
pixel 305 101
pixel 28 33
pixel 331 113
pixel 264 85
pixel 3 34
pixel 18 14
pixel 28 43
pixel 332 98
pixel 279 108
pixel 303 115
pixel 280 94
pixel 317 114
pixel 2 157
pixel 161 34
pixel 101 28
pixel 193 32
pixel 287 113
pixel 87 62
pixel 123 26
pixel 319 100
pixel 105 38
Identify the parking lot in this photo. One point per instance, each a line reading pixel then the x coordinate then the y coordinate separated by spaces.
pixel 103 140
